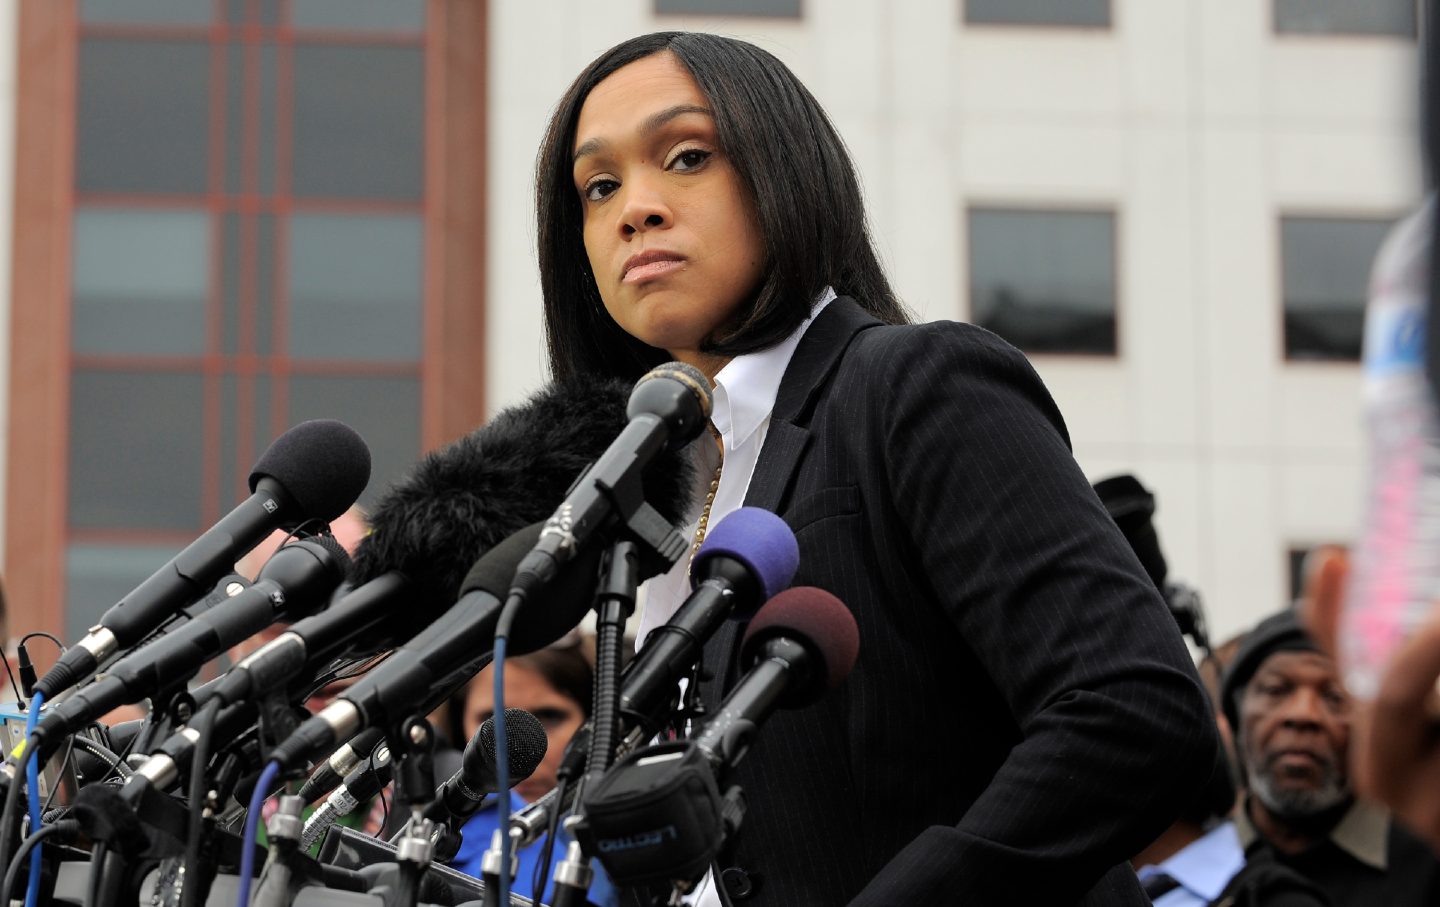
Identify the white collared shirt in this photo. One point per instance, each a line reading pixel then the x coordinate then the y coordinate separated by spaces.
pixel 745 392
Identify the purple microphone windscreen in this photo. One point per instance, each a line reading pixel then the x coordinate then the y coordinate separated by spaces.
pixel 323 464
pixel 552 613
pixel 758 539
pixel 465 498
pixel 525 743
pixel 817 620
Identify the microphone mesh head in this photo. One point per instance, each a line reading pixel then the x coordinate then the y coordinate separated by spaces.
pixel 821 623
pixel 525 741
pixel 758 539
pixel 323 464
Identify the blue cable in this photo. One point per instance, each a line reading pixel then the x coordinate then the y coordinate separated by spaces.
pixel 32 784
pixel 502 766
pixel 252 824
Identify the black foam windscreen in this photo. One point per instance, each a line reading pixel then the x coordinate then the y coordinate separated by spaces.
pixel 463 499
pixel 525 743
pixel 323 464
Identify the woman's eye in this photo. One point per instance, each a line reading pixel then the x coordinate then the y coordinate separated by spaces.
pixel 689 160
pixel 598 190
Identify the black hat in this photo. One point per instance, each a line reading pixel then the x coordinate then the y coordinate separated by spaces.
pixel 1277 633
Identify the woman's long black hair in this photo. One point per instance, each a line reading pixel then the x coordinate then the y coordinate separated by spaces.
pixel 790 160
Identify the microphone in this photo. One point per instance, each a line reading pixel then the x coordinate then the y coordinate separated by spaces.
pixel 299 577
pixel 745 560
pixel 423 672
pixel 314 471
pixel 461 501
pixel 659 814
pixel 341 763
pixel 668 408
pixel 461 795
pixel 800 645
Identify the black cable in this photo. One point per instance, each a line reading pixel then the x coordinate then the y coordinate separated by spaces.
pixel 541 877
pixel 202 724
pixel 55 788
pixel 12 799
pixel 64 826
pixel 19 697
pixel 384 803
pixel 50 636
pixel 117 763
pixel 97 873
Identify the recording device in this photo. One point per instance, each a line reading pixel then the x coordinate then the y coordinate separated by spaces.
pixel 298 578
pixel 314 471
pixel 466 498
pixel 421 673
pixel 659 815
pixel 746 559
pixel 461 795
pixel 668 408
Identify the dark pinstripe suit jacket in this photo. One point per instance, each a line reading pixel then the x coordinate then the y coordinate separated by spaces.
pixel 1023 716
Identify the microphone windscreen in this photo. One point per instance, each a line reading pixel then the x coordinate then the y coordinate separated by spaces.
pixel 821 623
pixel 758 539
pixel 323 464
pixel 463 499
pixel 525 743
pixel 550 615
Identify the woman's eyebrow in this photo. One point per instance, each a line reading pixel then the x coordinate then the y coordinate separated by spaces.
pixel 652 123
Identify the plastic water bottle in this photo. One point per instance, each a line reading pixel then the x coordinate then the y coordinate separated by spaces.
pixel 1395 567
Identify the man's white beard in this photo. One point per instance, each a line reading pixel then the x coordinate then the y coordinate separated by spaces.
pixel 1299 803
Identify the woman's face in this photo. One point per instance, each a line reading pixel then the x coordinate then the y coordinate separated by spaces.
pixel 672 238
pixel 525 689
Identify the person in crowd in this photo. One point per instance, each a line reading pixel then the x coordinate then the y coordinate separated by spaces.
pixel 555 685
pixel 1023 716
pixel 1293 719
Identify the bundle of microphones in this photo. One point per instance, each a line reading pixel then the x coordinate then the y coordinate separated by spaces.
pixel 497 545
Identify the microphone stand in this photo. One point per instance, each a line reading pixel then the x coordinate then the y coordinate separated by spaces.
pixel 620 578
pixel 413 749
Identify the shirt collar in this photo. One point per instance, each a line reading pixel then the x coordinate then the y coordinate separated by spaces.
pixel 1363 832
pixel 1206 865
pixel 745 389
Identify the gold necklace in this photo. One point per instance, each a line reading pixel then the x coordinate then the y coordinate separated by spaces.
pixel 704 522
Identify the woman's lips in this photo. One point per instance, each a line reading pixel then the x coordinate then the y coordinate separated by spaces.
pixel 652 269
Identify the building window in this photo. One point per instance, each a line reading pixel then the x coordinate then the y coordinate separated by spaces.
pixel 1346 17
pixel 1068 13
pixel 248 241
pixel 1045 280
pixel 774 9
pixel 1325 270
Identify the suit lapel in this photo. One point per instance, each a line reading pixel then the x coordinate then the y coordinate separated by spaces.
pixel 814 360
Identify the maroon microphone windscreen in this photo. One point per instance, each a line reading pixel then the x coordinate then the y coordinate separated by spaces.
pixel 817 620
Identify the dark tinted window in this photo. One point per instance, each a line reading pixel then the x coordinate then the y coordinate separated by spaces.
pixel 143 116
pixel 139 282
pixel 1038 12
pixel 355 287
pixel 789 9
pixel 358 122
pixel 136 450
pixel 146 12
pixel 1325 266
pixel 359 15
pixel 1045 280
pixel 1346 17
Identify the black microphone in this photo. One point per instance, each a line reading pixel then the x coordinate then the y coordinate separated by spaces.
pixel 668 408
pixel 170 763
pixel 800 645
pixel 419 675
pixel 461 501
pixel 314 471
pixel 461 795
pixel 298 578
pixel 341 763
